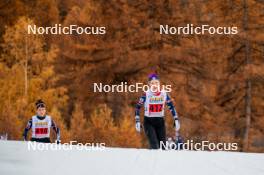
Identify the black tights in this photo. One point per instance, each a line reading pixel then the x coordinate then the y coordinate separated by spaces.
pixel 42 140
pixel 155 130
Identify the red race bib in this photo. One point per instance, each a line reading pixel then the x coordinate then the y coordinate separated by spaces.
pixel 155 107
pixel 41 130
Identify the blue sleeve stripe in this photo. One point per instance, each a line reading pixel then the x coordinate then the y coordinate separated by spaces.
pixel 139 104
pixel 171 107
pixel 28 127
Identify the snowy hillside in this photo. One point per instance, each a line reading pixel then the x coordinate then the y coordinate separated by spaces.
pixel 16 159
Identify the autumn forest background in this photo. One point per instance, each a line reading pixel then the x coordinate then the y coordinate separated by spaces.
pixel 217 80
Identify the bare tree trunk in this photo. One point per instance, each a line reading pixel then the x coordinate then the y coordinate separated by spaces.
pixel 248 81
pixel 25 70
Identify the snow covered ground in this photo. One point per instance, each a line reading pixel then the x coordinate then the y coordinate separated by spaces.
pixel 16 159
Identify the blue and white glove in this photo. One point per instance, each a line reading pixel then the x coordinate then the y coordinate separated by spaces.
pixel 138 126
pixel 177 124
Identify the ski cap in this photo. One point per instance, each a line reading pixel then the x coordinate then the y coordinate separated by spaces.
pixel 39 103
pixel 153 76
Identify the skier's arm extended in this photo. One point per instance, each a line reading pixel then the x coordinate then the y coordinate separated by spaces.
pixel 137 112
pixel 28 127
pixel 56 129
pixel 171 107
pixel 173 112
pixel 138 106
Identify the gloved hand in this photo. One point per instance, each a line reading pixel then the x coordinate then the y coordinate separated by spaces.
pixel 138 126
pixel 177 124
pixel 58 141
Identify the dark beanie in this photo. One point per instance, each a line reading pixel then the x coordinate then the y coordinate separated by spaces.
pixel 39 103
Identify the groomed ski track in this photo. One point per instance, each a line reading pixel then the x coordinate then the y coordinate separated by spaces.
pixel 16 159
